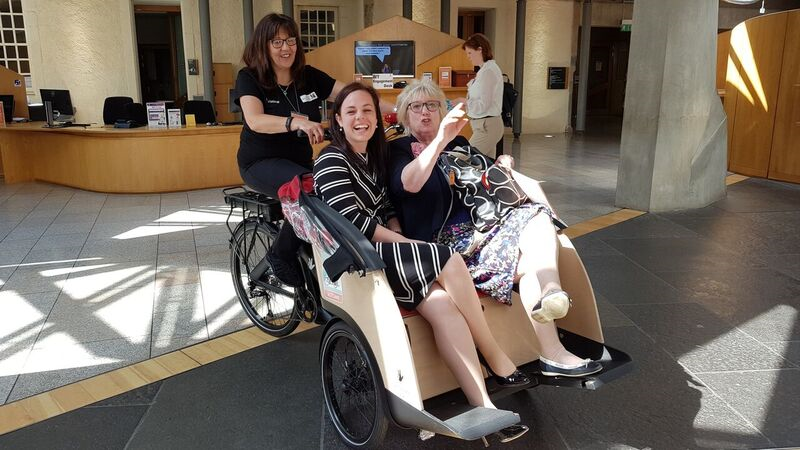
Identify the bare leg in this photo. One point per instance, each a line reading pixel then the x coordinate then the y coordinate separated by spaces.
pixel 537 273
pixel 456 280
pixel 455 344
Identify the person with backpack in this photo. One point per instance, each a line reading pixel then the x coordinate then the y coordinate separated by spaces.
pixel 484 97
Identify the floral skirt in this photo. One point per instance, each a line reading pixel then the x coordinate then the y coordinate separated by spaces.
pixel 492 257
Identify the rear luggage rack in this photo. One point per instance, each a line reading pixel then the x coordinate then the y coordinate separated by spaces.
pixel 263 205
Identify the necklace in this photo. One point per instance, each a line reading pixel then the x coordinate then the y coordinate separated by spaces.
pixel 286 96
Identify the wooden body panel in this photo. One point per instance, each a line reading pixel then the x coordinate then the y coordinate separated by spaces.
pixel 411 349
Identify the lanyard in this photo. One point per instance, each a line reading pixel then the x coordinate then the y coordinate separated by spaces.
pixel 295 109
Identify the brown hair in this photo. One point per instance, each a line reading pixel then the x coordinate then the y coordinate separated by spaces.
pixel 479 41
pixel 377 148
pixel 256 52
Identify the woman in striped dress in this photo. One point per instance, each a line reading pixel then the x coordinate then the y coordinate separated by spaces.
pixel 350 175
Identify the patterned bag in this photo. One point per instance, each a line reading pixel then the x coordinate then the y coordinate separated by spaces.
pixel 488 191
pixel 505 191
pixel 468 166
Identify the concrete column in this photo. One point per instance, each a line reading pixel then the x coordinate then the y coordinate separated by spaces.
pixel 519 67
pixel 288 7
pixel 583 67
pixel 407 9
pixel 205 50
pixel 247 18
pixel 674 136
pixel 445 16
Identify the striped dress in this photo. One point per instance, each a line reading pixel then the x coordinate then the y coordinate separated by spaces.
pixel 411 268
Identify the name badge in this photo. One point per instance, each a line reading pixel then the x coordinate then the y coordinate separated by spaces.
pixel 308 97
pixel 270 101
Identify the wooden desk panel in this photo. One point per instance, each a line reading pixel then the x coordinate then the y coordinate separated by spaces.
pixel 138 160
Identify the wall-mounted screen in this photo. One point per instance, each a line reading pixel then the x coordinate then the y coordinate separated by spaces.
pixel 395 57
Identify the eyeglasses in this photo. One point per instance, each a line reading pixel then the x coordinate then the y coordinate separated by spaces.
pixel 278 43
pixel 430 106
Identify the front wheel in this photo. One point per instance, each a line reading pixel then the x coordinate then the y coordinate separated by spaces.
pixel 273 309
pixel 353 389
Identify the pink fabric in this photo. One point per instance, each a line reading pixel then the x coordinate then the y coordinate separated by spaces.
pixel 417 148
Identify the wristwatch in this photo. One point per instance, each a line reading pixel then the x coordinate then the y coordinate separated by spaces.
pixel 289 123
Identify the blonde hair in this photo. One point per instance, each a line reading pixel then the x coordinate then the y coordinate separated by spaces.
pixel 418 89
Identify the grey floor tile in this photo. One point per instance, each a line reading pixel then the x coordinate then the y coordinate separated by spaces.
pixel 108 314
pixel 49 255
pixel 645 226
pixel 695 418
pixel 680 254
pixel 79 430
pixel 588 245
pixel 6 383
pixel 173 246
pixel 115 250
pixel 610 315
pixel 61 241
pixel 701 341
pixel 119 215
pixel 33 279
pixel 742 234
pixel 759 196
pixel 622 282
pixel 211 254
pixel 177 276
pixel 21 318
pixel 168 233
pixel 145 395
pixel 761 302
pixel 787 264
pixel 788 349
pixel 177 260
pixel 178 297
pixel 131 200
pixel 179 322
pixel 173 343
pixel 92 277
pixel 53 366
pixel 5 273
pixel 25 233
pixel 57 229
pixel 120 230
pixel 768 399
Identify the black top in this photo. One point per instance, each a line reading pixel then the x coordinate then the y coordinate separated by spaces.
pixel 316 86
pixel 424 213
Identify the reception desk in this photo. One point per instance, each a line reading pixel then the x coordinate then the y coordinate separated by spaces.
pixel 105 159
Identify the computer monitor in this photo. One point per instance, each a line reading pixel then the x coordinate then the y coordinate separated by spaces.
pixel 395 57
pixel 8 106
pixel 62 103
pixel 233 108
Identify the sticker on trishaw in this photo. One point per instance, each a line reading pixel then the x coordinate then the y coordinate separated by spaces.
pixel 330 290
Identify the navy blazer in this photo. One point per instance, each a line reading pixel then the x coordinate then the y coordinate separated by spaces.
pixel 424 213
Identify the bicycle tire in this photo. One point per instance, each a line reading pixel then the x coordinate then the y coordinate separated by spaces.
pixel 272 312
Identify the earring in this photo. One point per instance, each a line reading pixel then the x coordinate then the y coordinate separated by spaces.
pixel 341 129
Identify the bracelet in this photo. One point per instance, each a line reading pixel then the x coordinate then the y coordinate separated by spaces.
pixel 289 123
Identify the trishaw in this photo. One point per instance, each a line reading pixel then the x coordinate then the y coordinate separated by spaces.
pixel 379 364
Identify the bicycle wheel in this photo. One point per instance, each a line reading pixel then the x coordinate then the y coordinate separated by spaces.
pixel 272 309
pixel 353 390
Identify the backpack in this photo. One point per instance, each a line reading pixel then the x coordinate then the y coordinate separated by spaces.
pixel 509 101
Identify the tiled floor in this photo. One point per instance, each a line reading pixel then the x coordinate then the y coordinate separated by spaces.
pixel 709 318
pixel 90 282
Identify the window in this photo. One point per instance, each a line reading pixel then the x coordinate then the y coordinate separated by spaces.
pixel 317 25
pixel 13 43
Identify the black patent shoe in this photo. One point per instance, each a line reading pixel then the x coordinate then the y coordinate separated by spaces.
pixel 508 434
pixel 515 379
pixel 287 271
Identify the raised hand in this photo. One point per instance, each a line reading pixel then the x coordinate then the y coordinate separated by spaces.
pixel 452 123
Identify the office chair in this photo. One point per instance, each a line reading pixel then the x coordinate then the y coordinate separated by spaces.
pixel 203 111
pixel 136 112
pixel 114 108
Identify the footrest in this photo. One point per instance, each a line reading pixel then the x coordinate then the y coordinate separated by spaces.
pixel 479 422
pixel 263 205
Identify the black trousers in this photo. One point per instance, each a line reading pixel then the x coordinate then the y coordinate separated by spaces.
pixel 267 176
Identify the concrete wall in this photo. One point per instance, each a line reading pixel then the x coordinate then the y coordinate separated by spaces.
pixel 549 42
pixel 85 46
